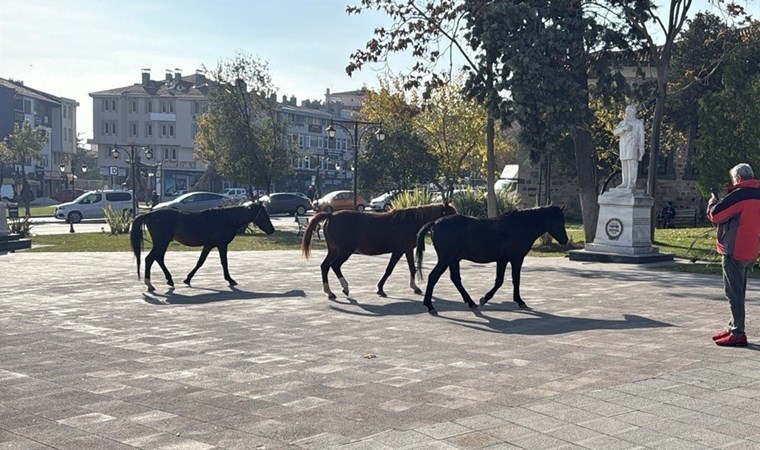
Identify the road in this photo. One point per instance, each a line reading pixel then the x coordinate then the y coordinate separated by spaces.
pixel 50 225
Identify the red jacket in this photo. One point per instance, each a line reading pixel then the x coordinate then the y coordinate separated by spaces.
pixel 738 218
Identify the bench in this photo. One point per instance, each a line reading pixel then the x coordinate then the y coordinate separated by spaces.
pixel 685 217
pixel 303 222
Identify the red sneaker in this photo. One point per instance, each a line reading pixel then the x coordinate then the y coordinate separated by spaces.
pixel 733 341
pixel 720 335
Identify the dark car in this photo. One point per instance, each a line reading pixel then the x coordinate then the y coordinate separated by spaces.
pixel 67 195
pixel 286 202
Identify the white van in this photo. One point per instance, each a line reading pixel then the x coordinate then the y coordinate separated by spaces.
pixel 90 205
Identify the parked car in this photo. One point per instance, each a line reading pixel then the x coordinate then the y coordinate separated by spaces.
pixel 383 202
pixel 294 203
pixel 90 205
pixel 338 200
pixel 67 195
pixel 238 194
pixel 196 201
pixel 6 192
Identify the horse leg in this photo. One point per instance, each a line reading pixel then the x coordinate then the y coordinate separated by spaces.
pixel 223 256
pixel 516 266
pixel 388 270
pixel 456 278
pixel 204 253
pixel 412 272
pixel 156 253
pixel 167 274
pixel 325 266
pixel 336 263
pixel 435 274
pixel 501 267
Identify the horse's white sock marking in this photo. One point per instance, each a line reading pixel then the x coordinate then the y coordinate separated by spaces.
pixel 343 283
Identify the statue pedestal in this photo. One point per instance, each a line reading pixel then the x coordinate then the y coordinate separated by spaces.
pixel 622 230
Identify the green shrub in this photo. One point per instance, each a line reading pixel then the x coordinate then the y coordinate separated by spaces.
pixel 473 202
pixel 119 221
pixel 20 226
pixel 416 197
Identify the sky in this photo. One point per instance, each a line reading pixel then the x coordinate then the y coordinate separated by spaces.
pixel 73 47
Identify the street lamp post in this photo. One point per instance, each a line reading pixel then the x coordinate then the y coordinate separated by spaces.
pixel 356 139
pixel 320 158
pixel 62 167
pixel 132 151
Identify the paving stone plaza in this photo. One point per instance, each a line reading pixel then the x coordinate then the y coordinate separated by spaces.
pixel 611 357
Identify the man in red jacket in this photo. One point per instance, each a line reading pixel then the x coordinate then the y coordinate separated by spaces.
pixel 738 219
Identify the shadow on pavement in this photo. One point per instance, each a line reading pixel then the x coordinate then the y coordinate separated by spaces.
pixel 173 298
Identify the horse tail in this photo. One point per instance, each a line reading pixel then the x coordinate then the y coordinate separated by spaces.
pixel 421 247
pixel 136 238
pixel 313 224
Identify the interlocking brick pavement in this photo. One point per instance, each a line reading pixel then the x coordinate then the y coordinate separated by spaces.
pixel 611 356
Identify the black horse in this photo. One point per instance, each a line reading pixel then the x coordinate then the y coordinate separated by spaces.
pixel 211 228
pixel 504 239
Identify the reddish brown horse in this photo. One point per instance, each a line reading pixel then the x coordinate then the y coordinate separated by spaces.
pixel 393 232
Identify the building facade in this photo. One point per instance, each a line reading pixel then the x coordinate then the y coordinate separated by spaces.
pixel 157 114
pixel 57 116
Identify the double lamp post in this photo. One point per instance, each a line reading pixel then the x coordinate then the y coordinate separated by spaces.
pixel 65 178
pixel 133 153
pixel 356 138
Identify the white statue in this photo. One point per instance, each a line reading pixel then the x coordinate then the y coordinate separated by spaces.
pixel 631 133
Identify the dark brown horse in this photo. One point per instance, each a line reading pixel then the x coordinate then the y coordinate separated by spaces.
pixel 211 228
pixel 393 232
pixel 504 239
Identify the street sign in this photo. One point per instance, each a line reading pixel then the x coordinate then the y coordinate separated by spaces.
pixel 113 170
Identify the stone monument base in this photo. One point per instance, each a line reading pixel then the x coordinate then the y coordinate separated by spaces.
pixel 12 242
pixel 623 230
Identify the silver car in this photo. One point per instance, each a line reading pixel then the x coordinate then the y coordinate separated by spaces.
pixel 196 201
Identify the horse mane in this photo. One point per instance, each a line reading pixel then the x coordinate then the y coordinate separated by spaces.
pixel 535 213
pixel 417 214
pixel 231 214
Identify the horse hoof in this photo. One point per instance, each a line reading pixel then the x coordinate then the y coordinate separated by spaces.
pixel 483 301
pixel 418 291
pixel 331 297
pixel 523 306
pixel 432 312
pixel 170 283
pixel 472 305
pixel 151 289
pixel 380 293
pixel 187 282
pixel 345 291
pixel 233 283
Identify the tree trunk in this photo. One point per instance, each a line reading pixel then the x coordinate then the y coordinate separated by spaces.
pixel 584 162
pixel 490 167
pixel 654 152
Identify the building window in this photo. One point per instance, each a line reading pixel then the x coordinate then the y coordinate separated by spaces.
pixel 27 106
pixel 170 153
pixel 65 111
pixel 167 106
pixel 196 107
pixel 133 129
pixel 148 106
pixel 133 106
pixel 171 130
pixel 149 129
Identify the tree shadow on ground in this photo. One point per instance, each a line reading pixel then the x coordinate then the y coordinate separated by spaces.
pixel 171 297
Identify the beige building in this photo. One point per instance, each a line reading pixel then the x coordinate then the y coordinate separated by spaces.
pixel 57 116
pixel 159 114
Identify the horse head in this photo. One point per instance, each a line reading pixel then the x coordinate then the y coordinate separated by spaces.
pixel 555 224
pixel 260 217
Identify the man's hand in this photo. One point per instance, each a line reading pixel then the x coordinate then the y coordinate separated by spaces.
pixel 713 200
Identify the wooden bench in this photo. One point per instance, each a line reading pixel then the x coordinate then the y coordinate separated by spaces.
pixel 303 222
pixel 685 217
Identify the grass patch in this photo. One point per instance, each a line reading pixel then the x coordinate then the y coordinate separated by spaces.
pixel 37 211
pixel 105 242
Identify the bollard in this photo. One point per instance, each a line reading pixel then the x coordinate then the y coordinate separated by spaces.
pixel 71 226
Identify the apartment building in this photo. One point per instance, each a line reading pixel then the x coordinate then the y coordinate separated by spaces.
pixel 159 114
pixel 56 115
